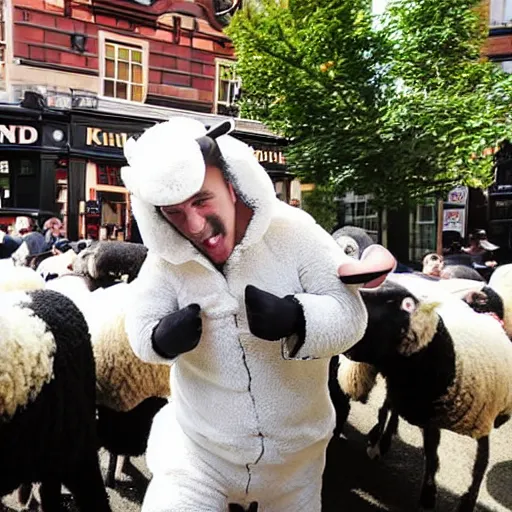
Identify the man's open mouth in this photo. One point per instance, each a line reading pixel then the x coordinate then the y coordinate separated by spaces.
pixel 212 241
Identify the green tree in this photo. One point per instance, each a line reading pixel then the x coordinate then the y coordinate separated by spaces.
pixel 402 106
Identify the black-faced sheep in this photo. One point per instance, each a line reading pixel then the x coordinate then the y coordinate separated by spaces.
pixel 445 366
pixel 111 260
pixel 47 400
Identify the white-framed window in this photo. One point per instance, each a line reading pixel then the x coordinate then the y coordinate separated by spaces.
pixel 500 13
pixel 360 211
pixel 227 87
pixel 423 232
pixel 506 65
pixel 123 67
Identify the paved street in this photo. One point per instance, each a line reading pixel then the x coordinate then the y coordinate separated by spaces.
pixel 354 483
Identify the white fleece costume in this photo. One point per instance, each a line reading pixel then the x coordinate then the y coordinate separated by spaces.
pixel 246 422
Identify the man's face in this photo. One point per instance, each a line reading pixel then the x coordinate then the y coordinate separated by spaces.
pixel 433 265
pixel 207 219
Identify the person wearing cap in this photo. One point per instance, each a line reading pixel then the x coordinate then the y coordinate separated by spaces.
pixel 53 231
pixel 481 250
pixel 241 293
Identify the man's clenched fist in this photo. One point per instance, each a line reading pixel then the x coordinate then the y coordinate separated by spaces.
pixel 271 317
pixel 178 332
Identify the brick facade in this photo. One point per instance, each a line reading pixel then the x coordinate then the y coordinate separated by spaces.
pixel 181 60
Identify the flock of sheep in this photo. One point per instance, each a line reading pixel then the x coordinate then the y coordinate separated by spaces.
pixel 444 350
pixel 69 382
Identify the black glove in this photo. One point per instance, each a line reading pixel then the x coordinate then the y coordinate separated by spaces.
pixel 178 332
pixel 271 317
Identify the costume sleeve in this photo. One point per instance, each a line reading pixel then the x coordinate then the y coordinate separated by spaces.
pixel 334 313
pixel 152 296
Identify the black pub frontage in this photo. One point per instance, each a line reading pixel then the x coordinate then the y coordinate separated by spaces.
pixel 69 162
pixel 33 152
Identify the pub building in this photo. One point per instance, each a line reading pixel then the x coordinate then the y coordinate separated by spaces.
pixel 69 161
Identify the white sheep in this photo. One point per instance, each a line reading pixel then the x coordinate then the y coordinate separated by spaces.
pixel 57 265
pixel 14 278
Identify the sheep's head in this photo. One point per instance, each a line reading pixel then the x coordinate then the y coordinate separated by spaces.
pixel 398 324
pixel 485 300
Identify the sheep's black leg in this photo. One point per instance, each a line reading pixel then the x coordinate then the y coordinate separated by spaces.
pixel 375 435
pixel 468 501
pixel 51 498
pixel 87 487
pixel 235 507
pixel 391 430
pixel 110 479
pixel 24 494
pixel 339 399
pixel 431 439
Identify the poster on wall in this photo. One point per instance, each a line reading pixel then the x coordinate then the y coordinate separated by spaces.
pixel 458 196
pixel 454 220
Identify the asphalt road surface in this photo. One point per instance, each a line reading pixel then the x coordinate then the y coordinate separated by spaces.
pixel 354 483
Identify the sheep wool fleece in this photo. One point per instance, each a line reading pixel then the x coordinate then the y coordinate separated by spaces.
pixel 247 422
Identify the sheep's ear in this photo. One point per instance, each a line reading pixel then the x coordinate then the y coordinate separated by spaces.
pixel 408 305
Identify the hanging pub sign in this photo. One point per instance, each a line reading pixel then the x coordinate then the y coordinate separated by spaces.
pixel 18 134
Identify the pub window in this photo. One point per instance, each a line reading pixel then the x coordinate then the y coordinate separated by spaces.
pixel 361 212
pixel 5 189
pixel 123 68
pixel 2 45
pixel 61 199
pixel 109 175
pixel 227 88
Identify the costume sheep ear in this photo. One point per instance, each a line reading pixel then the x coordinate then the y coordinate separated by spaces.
pixel 408 305
pixel 129 148
pixel 127 175
pixel 371 270
pixel 221 129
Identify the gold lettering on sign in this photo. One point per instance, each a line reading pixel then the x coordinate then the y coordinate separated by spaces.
pixel 92 137
pixel 97 137
pixel 14 134
pixel 273 157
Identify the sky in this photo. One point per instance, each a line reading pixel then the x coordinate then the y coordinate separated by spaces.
pixel 378 6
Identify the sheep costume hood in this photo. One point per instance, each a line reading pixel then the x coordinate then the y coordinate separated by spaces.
pixel 171 148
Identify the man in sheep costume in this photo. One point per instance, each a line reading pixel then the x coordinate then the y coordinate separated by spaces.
pixel 241 293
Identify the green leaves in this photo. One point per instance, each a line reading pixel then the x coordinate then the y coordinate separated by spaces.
pixel 401 106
